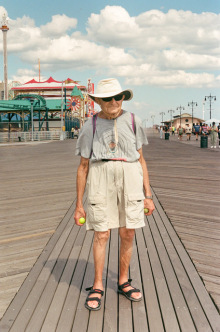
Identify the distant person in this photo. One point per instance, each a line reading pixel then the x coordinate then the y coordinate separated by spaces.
pixel 161 132
pixel 188 131
pixel 205 129
pixel 173 130
pixel 72 132
pixel 213 135
pixel 180 133
pixel 219 134
pixel 197 129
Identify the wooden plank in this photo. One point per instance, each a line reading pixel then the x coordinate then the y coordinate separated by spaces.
pixel 44 303
pixel 56 307
pixel 81 317
pixel 41 183
pixel 180 179
pixel 166 304
pixel 96 318
pixel 125 317
pixel 110 321
pixel 140 322
pixel 56 241
pixel 204 299
pixel 184 298
pixel 71 302
pixel 36 292
pixel 150 294
pixel 92 321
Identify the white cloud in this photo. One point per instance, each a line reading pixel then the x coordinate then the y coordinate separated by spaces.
pixel 182 59
pixel 24 75
pixel 177 48
pixel 3 11
pixel 80 53
pixel 58 26
pixel 113 26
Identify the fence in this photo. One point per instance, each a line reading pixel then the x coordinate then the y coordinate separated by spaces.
pixel 37 136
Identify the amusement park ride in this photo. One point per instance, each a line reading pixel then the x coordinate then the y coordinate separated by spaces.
pixel 66 99
pixel 52 100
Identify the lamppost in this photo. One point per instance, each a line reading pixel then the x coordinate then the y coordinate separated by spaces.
pixel 145 122
pixel 180 108
pixel 192 103
pixel 171 111
pixel 61 122
pixel 162 113
pixel 32 118
pixel 210 97
pixel 152 117
pixel 203 110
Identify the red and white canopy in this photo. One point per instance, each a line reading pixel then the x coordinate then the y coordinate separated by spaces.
pixel 50 84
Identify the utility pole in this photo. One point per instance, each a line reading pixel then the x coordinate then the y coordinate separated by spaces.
pixel 192 103
pixel 162 113
pixel 210 97
pixel 171 111
pixel 5 29
pixel 180 108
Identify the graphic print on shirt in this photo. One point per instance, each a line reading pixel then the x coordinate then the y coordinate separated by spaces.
pixel 108 146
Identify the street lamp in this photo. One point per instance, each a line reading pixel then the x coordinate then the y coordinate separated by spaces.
pixel 203 110
pixel 210 97
pixel 171 111
pixel 180 108
pixel 152 117
pixel 61 122
pixel 32 118
pixel 162 113
pixel 145 122
pixel 192 103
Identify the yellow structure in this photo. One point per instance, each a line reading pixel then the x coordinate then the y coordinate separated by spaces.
pixel 182 120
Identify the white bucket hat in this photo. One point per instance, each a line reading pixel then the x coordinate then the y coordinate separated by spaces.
pixel 110 87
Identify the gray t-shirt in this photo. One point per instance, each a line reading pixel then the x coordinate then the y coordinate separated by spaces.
pixel 113 139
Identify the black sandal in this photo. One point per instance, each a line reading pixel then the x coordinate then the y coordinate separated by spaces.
pixel 130 292
pixel 93 291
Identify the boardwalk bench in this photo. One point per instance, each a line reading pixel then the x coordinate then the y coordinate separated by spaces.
pixel 52 296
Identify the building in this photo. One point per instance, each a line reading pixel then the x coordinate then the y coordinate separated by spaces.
pixel 51 99
pixel 182 120
pixel 49 88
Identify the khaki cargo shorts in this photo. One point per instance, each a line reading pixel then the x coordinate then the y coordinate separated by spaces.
pixel 115 195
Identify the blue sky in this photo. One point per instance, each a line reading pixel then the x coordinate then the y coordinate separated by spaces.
pixel 167 52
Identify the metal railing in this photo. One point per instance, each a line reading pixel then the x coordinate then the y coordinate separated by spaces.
pixel 37 136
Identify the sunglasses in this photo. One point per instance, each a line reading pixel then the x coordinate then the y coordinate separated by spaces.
pixel 116 98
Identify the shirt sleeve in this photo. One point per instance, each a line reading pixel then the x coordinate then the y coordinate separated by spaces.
pixel 85 140
pixel 141 137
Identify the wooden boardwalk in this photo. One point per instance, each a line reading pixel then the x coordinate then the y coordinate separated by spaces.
pixel 186 180
pixel 175 298
pixel 37 187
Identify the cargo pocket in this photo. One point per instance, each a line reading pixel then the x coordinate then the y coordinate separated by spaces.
pixel 135 208
pixel 97 209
